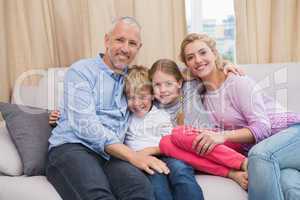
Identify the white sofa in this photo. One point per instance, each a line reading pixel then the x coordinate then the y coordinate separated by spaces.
pixel 279 80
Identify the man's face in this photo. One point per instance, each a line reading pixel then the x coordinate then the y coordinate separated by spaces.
pixel 122 45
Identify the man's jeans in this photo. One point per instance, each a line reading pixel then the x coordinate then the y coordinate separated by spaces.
pixel 274 166
pixel 178 185
pixel 77 173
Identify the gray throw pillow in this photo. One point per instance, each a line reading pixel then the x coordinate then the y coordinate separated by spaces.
pixel 30 131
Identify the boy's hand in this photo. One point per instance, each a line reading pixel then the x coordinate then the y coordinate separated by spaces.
pixel 53 117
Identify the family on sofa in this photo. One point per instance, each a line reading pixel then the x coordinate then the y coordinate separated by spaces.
pixel 208 125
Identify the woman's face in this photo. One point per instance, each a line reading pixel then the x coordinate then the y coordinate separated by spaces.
pixel 166 88
pixel 200 59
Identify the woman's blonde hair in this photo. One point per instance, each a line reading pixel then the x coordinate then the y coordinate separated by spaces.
pixel 210 42
pixel 137 79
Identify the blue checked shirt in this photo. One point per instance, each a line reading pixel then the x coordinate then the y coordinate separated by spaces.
pixel 94 111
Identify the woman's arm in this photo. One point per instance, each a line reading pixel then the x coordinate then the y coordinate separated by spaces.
pixel 206 140
pixel 246 98
pixel 243 135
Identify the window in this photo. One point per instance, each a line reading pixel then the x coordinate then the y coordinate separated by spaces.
pixel 216 18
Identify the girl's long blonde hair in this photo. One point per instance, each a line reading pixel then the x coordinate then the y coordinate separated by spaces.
pixel 170 67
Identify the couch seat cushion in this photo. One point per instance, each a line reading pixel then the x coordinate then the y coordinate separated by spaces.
pixel 27 188
pixel 216 187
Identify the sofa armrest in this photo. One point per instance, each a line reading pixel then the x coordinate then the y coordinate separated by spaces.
pixel 10 161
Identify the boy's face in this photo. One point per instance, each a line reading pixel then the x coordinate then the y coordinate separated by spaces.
pixel 139 103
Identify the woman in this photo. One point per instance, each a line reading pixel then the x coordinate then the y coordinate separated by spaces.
pixel 236 105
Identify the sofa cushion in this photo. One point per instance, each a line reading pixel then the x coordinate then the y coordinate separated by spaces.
pixel 30 131
pixel 27 188
pixel 217 187
pixel 10 161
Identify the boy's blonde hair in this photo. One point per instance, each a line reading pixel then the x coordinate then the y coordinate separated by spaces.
pixel 137 80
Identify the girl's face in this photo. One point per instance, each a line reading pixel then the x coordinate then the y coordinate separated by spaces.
pixel 200 59
pixel 166 88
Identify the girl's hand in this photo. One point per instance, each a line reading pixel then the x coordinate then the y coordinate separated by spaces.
pixel 53 117
pixel 205 142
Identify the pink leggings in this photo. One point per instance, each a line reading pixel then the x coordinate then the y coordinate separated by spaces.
pixel 219 161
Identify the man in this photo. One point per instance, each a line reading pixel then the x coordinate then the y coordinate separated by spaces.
pixel 87 158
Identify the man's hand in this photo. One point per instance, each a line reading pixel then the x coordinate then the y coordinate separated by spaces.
pixel 231 68
pixel 53 117
pixel 149 164
pixel 205 142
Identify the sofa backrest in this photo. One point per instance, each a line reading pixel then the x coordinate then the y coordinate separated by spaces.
pixel 48 94
pixel 278 80
pixel 281 81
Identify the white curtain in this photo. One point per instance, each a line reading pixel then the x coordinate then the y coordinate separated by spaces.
pixel 267 31
pixel 54 33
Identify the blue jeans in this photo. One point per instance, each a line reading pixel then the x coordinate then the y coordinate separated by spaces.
pixel 77 173
pixel 179 184
pixel 274 166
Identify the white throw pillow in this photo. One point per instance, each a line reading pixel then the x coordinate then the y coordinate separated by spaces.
pixel 10 161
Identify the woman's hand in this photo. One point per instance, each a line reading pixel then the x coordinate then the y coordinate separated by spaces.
pixel 205 142
pixel 53 117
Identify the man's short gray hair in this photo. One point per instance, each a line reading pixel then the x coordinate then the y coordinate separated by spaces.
pixel 126 19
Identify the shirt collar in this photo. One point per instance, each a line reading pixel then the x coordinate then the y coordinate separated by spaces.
pixel 110 72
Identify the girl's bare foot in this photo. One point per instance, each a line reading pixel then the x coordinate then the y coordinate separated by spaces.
pixel 244 166
pixel 240 177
